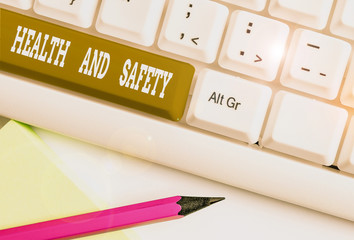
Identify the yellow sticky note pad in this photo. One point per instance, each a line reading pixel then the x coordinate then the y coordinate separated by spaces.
pixel 32 188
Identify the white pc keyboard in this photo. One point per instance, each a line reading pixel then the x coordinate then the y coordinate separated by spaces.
pixel 257 94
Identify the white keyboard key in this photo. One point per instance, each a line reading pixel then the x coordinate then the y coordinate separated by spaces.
pixel 181 32
pixel 315 63
pixel 257 5
pixel 347 97
pixel 76 12
pixel 134 21
pixel 304 128
pixel 343 19
pixel 311 13
pixel 22 4
pixel 254 45
pixel 229 105
pixel 346 157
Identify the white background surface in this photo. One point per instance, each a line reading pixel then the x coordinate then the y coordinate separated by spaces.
pixel 116 179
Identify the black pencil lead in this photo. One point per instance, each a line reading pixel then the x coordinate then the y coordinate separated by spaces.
pixel 193 204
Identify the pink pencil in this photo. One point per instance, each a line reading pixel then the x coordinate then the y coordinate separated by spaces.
pixel 115 218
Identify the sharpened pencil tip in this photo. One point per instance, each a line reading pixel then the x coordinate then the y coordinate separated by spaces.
pixel 193 204
pixel 216 199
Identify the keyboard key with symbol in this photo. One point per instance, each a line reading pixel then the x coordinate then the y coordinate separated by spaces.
pixel 304 128
pixel 181 32
pixel 254 45
pixel 315 63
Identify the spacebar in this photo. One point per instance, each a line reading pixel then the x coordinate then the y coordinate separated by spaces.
pixel 99 68
pixel 179 147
